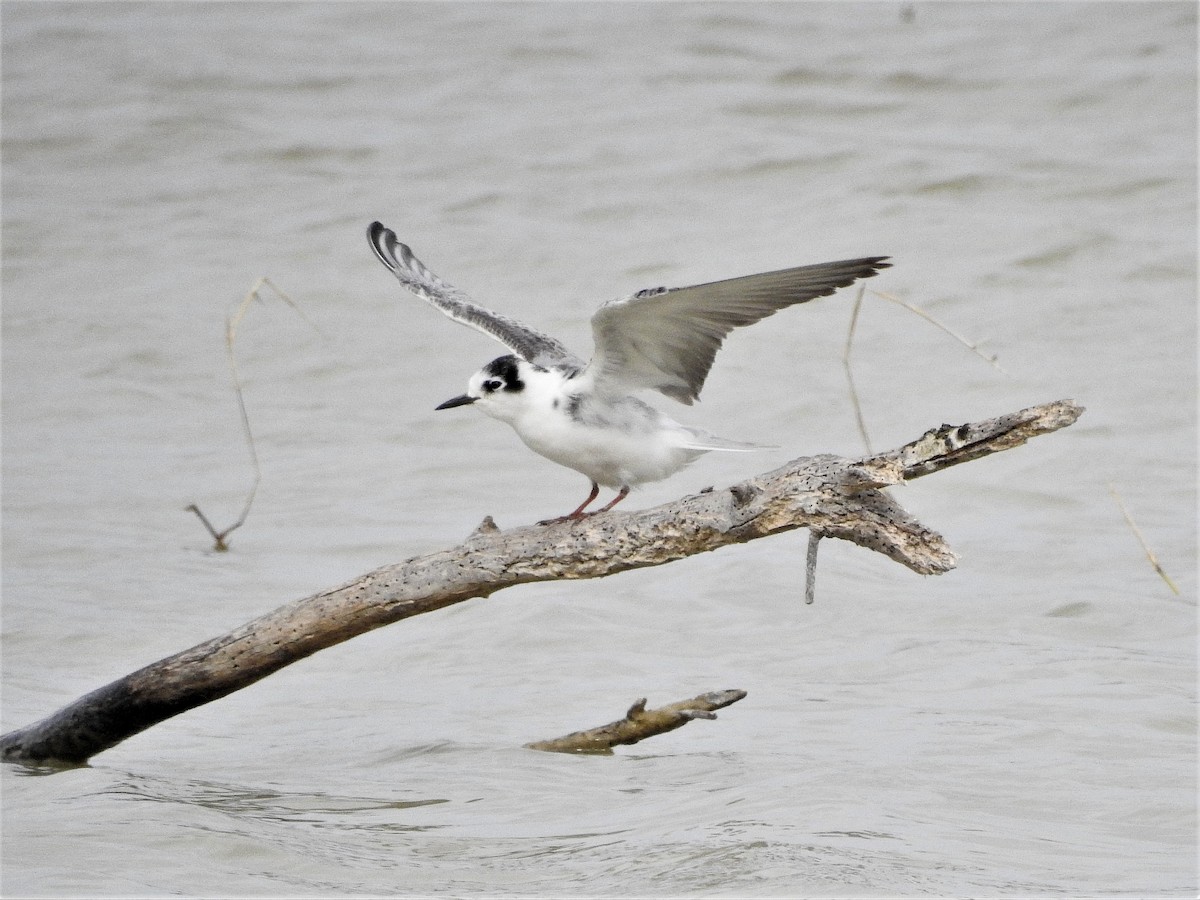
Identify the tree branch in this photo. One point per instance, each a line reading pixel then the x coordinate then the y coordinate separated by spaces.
pixel 640 723
pixel 835 497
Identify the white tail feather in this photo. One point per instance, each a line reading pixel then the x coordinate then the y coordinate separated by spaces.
pixel 702 440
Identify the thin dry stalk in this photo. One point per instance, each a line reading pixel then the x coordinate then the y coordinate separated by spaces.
pixel 891 298
pixel 231 324
pixel 973 347
pixel 858 413
pixel 1142 540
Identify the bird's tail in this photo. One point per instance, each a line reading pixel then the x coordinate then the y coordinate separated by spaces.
pixel 695 439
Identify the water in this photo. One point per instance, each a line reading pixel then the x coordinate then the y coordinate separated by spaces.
pixel 1022 726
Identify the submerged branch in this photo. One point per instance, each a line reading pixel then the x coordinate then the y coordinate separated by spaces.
pixel 640 723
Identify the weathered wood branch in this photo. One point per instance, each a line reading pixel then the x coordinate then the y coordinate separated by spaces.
pixel 640 723
pixel 833 496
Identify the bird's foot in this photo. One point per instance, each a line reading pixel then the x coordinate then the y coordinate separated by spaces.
pixel 570 517
pixel 579 513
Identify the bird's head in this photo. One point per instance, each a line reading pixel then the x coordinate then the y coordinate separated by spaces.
pixel 497 389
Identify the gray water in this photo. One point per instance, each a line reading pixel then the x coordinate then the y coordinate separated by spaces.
pixel 1022 726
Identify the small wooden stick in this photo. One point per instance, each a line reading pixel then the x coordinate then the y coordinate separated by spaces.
pixel 640 723
pixel 810 567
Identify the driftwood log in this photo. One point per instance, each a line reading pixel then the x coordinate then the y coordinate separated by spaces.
pixel 832 496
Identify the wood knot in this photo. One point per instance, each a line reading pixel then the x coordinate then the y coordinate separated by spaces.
pixel 743 493
pixel 487 526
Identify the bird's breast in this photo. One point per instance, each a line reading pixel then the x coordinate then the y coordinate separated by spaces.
pixel 616 443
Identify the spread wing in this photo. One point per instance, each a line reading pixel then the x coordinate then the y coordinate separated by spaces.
pixel 666 339
pixel 527 343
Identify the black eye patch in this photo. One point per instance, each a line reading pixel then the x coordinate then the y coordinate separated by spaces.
pixel 504 368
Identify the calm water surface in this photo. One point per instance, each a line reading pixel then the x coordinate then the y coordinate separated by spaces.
pixel 1023 726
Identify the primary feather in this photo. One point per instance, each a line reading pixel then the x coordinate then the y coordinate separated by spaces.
pixel 528 343
pixel 666 339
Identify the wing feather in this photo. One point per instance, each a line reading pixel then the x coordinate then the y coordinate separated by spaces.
pixel 666 339
pixel 529 344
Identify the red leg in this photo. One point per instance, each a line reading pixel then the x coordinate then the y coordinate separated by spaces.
pixel 579 510
pixel 621 495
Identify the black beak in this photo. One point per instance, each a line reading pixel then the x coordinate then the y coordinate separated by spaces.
pixel 461 400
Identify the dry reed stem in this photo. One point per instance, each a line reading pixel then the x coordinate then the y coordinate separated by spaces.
pixel 913 308
pixel 231 324
pixel 1137 532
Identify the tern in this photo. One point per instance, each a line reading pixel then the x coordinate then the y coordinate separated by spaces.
pixel 584 415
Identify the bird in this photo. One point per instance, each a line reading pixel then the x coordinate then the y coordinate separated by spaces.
pixel 584 415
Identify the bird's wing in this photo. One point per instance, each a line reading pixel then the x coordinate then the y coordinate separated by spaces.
pixel 666 338
pixel 527 343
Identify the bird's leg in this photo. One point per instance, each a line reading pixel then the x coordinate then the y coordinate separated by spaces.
pixel 621 495
pixel 579 510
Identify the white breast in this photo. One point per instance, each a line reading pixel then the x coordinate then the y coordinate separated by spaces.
pixel 615 444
